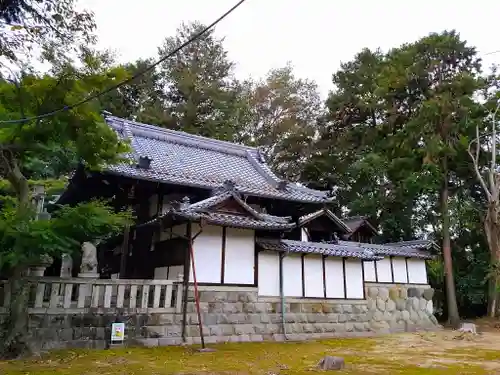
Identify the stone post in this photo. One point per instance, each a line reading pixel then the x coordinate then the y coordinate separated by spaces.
pixel 66 266
pixel 88 269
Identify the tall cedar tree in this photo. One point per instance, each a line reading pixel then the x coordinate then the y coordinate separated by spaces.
pixel 201 95
pixel 395 120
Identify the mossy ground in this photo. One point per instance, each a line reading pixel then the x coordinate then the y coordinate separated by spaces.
pixel 425 353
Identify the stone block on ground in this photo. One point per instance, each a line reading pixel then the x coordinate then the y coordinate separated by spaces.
pixel 331 363
pixel 468 327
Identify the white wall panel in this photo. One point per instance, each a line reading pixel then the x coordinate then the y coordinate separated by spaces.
pixel 239 256
pixel 269 281
pixel 417 271
pixel 292 276
pixel 313 276
pixel 399 269
pixel 370 274
pixel 175 271
pixel 161 273
pixel 334 275
pixel 384 272
pixel 207 248
pixel 354 278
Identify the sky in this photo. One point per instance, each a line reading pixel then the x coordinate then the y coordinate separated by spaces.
pixel 314 35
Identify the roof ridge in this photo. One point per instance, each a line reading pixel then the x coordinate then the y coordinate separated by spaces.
pixel 170 135
pixel 356 217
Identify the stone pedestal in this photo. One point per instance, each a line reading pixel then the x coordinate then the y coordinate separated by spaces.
pixel 38 270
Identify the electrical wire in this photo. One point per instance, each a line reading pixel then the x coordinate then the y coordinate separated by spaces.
pixel 128 80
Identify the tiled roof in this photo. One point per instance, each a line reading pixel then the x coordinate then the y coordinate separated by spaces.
pixel 391 250
pixel 354 222
pixel 234 221
pixel 328 249
pixel 185 159
pixel 414 244
pixel 307 218
pixel 201 211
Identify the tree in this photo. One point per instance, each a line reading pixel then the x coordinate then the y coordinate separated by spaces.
pixel 142 99
pixel 55 26
pixel 201 92
pixel 397 118
pixel 485 143
pixel 27 150
pixel 282 119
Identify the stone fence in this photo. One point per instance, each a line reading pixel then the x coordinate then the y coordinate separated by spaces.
pixel 77 312
pixel 84 295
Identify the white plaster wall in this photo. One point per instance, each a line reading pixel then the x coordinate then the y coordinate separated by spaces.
pixel 384 272
pixel 239 256
pixel 370 274
pixel 417 271
pixel 354 278
pixel 207 248
pixel 269 282
pixel 334 275
pixel 292 275
pixel 399 269
pixel 168 272
pixel 313 276
pixel 161 273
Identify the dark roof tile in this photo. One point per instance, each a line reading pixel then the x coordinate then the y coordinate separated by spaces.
pixel 186 159
pixel 327 249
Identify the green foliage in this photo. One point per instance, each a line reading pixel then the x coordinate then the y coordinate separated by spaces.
pixel 44 151
pixel 199 85
pixel 52 146
pixel 24 241
pixel 54 26
pixel 281 118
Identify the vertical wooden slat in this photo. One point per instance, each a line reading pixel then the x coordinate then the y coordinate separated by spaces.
pixel 145 296
pixel 156 302
pixel 168 296
pixel 68 291
pixel 133 296
pixel 96 289
pixel 54 295
pixel 40 292
pixel 82 295
pixel 108 290
pixel 121 295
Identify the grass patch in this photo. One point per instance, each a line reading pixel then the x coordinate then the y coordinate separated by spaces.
pixel 390 355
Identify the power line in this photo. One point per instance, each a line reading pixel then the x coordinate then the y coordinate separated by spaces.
pixel 491 53
pixel 140 73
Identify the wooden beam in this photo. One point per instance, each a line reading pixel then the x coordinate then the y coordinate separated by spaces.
pixel 223 255
pixel 345 278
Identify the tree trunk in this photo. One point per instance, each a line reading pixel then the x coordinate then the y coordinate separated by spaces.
pixel 15 339
pixel 453 316
pixel 492 229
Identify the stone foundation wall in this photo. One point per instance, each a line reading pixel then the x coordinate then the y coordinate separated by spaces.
pixel 239 315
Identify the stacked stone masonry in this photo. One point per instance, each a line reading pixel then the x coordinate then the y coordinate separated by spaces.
pixel 239 315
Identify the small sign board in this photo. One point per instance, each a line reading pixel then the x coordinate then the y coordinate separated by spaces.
pixel 117 332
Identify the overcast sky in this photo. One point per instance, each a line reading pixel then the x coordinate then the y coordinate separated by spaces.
pixel 314 35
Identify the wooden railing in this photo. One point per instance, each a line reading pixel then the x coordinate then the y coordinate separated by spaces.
pixel 57 295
